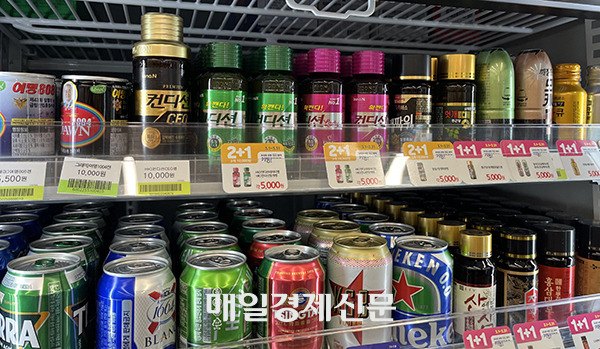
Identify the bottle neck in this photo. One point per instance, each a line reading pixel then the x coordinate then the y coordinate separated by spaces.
pixel 567 81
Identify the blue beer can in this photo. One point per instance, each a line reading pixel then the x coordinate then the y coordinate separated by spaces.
pixel 422 286
pixel 5 257
pixel 32 230
pixel 325 202
pixel 136 303
pixel 14 235
pixel 137 248
pixel 43 211
pixel 391 231
pixel 344 210
pixel 365 219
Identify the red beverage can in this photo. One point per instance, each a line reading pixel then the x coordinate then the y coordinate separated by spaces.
pixel 294 271
pixel 267 239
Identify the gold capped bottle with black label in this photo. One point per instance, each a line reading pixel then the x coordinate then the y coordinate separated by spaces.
pixel 161 89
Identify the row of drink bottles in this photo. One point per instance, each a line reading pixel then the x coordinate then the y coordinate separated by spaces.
pixel 468 248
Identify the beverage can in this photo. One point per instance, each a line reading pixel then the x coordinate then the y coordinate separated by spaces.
pixel 267 239
pixel 390 231
pixel 201 228
pixel 324 232
pixel 305 220
pixel 138 247
pixel 75 228
pixel 29 221
pixel 208 242
pixel 253 226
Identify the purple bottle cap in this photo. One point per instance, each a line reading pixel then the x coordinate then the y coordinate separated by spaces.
pixel 323 60
pixel 368 62
pixel 301 64
pixel 346 66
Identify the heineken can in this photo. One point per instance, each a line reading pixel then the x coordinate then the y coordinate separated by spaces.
pixel 31 227
pixel 365 219
pixel 324 232
pixel 191 217
pixel 196 229
pixel 293 271
pixel 134 232
pixel 208 242
pixel 344 210
pixel 136 304
pixel 141 219
pixel 44 303
pixel 41 210
pixel 207 279
pixel 307 218
pixel 138 247
pixel 241 216
pixel 326 202
pixel 236 205
pixel 253 226
pixel 390 231
pixel 75 228
pixel 359 265
pixel 95 217
pixel 5 256
pixel 14 235
pixel 195 206
pixel 422 286
pixel 267 239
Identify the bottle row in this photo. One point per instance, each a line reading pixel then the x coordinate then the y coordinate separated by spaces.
pixel 400 256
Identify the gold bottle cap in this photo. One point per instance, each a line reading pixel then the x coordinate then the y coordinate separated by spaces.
pixel 449 231
pixel 434 68
pixel 162 35
pixel 394 208
pixel 476 243
pixel 570 71
pixel 427 224
pixel 410 215
pixel 456 67
pixel 380 202
pixel 360 246
pixel 593 73
pixel 367 199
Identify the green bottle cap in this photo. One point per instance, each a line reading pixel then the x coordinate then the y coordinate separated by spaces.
pixel 275 58
pixel 223 55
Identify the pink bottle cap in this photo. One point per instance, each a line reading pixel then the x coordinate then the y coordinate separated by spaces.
pixel 301 64
pixel 368 62
pixel 235 169
pixel 346 66
pixel 324 60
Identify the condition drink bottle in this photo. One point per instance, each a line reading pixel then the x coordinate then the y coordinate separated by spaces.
pixel 569 100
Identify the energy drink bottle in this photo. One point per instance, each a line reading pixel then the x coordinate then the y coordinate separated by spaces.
pixel 569 100
pixel 593 100
pixel 495 93
pixel 273 98
pixel 368 98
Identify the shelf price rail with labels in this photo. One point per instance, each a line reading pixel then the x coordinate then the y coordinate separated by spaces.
pixel 431 156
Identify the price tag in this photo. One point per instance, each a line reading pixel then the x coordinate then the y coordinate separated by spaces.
pixel 432 163
pixel 560 170
pixel 483 161
pixel 353 165
pixel 89 177
pixel 253 168
pixel 529 161
pixel 388 345
pixel 585 330
pixel 163 178
pixel 486 338
pixel 20 181
pixel 538 335
pixel 577 160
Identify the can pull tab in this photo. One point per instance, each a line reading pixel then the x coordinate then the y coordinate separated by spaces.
pixel 45 263
pixel 361 241
pixel 292 253
pixel 67 244
pixel 220 261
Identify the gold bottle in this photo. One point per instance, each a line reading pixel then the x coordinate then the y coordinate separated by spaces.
pixel 569 100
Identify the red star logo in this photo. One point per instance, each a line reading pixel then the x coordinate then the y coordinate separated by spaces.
pixel 356 285
pixel 404 292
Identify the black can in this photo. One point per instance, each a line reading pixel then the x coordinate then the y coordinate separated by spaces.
pixel 94 115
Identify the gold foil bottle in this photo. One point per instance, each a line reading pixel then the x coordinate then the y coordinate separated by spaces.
pixel 161 88
pixel 593 95
pixel 569 100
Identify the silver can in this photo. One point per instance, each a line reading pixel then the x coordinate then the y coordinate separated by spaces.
pixel 191 217
pixel 324 232
pixel 141 219
pixel 344 210
pixel 138 248
pixel 201 228
pixel 83 216
pixel 134 232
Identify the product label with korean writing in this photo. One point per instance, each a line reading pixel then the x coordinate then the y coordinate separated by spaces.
pixel 588 277
pixel 277 116
pixel 225 113
pixel 556 283
pixel 369 116
pixel 515 288
pixel 324 116
pixel 468 299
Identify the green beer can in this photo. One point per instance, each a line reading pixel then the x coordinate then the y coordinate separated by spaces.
pixel 44 303
pixel 75 229
pixel 208 242
pixel 201 228
pixel 219 273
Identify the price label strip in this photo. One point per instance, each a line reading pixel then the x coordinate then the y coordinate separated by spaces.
pixel 489 338
pixel 483 162
pixel 529 161
pixel 164 178
pixel 353 165
pixel 89 177
pixel 585 330
pixel 387 345
pixel 577 160
pixel 432 163
pixel 22 181
pixel 253 168
pixel 538 335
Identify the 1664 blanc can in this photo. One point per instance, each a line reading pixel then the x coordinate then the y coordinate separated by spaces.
pixel 294 271
pixel 44 303
pixel 219 273
pixel 208 242
pixel 323 234
pixel 359 265
pixel 253 226
pixel 422 285
pixel 136 304
pixel 307 218
pixel 137 248
pixel 14 235
pixel 391 231
pixel 5 256
pixel 27 109
pixel 29 221
pixel 196 229
pixel 267 239
pixel 74 228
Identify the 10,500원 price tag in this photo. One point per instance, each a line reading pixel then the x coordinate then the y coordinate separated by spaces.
pixel 253 168
pixel 353 165
pixel 432 163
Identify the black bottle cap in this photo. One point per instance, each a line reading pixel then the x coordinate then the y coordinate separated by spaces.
pixel 505 215
pixel 515 205
pixel 518 243
pixel 556 239
pixel 468 216
pixel 412 67
pixel 467 203
pixel 563 218
pixel 487 224
pixel 588 236
pixel 541 210
pixel 487 205
pixel 529 220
